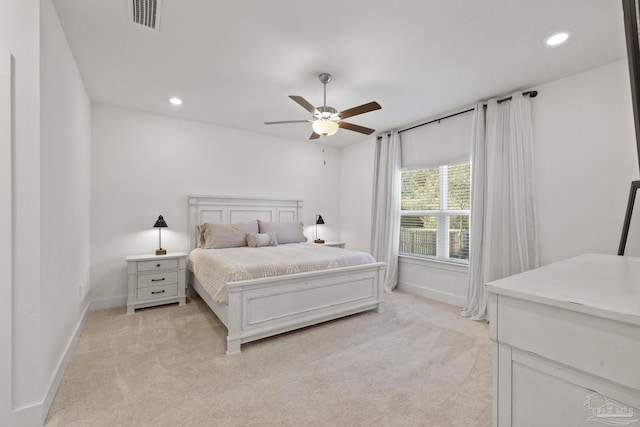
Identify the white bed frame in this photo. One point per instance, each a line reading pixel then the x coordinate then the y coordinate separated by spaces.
pixel 261 308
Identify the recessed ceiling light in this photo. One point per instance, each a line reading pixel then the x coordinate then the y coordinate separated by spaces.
pixel 557 39
pixel 175 101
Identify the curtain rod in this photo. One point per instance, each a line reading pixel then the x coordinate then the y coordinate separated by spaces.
pixel 529 93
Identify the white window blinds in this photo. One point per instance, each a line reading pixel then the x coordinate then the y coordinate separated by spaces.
pixel 440 143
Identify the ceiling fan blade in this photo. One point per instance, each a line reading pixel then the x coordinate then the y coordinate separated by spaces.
pixel 314 136
pixel 287 121
pixel 361 109
pixel 356 128
pixel 304 104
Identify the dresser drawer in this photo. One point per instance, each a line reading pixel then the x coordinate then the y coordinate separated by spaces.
pixel 162 278
pixel 599 346
pixel 161 264
pixel 162 291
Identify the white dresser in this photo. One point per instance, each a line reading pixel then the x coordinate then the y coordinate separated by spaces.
pixel 567 344
pixel 156 279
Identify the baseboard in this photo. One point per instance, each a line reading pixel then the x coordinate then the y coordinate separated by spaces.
pixel 111 302
pixel 26 416
pixel 433 294
pixel 56 380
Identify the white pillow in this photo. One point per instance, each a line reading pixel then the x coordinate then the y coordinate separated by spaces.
pixel 257 240
pixel 286 232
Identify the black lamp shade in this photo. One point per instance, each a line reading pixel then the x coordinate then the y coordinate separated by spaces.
pixel 319 220
pixel 160 222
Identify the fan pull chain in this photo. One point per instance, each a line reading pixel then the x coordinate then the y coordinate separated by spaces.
pixel 324 157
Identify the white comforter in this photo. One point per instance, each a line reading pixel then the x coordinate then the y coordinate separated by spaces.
pixel 214 268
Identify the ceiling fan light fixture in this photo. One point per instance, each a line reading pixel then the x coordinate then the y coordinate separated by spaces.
pixel 326 120
pixel 325 127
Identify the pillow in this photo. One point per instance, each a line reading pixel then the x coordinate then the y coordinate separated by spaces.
pixel 219 236
pixel 257 240
pixel 200 235
pixel 288 232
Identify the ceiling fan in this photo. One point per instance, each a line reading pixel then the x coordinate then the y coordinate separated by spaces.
pixel 326 120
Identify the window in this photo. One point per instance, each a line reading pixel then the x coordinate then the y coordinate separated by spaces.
pixel 434 216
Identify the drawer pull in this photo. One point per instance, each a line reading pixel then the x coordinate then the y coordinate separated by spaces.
pixel 157 265
pixel 157 292
pixel 157 280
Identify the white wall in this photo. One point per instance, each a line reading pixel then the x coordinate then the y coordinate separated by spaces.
pixel 144 165
pixel 356 194
pixel 6 243
pixel 19 36
pixel 65 175
pixel 585 160
pixel 41 321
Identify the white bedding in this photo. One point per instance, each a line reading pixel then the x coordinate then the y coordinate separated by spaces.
pixel 214 268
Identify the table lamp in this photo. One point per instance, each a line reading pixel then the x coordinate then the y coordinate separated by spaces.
pixel 320 221
pixel 160 223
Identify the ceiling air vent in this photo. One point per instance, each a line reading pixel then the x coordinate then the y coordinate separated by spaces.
pixel 145 13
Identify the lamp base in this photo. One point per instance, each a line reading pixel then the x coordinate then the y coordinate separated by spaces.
pixel 161 251
pixel 318 241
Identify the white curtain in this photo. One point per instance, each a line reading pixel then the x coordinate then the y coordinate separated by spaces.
pixel 386 206
pixel 503 221
pixel 476 300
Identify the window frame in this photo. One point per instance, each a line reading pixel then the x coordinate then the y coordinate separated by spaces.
pixel 442 215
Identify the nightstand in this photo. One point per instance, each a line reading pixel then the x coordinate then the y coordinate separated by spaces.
pixel 335 244
pixel 156 280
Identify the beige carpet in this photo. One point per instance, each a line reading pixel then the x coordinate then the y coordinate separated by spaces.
pixel 417 364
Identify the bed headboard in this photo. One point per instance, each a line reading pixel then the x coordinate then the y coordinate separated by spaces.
pixel 230 210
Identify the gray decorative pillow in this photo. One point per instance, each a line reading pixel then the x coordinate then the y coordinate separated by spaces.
pixel 286 232
pixel 257 240
pixel 219 236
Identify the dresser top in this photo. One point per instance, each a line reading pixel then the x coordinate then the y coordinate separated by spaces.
pixel 602 285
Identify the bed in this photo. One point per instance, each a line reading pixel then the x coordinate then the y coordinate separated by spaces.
pixel 257 308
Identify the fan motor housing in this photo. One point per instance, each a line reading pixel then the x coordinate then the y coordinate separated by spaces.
pixel 326 112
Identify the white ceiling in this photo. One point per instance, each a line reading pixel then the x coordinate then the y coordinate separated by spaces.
pixel 234 62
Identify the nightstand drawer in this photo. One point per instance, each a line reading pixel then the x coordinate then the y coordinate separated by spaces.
pixel 166 278
pixel 161 264
pixel 157 292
